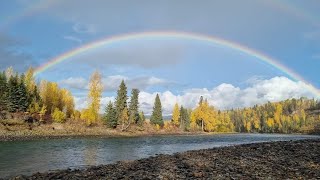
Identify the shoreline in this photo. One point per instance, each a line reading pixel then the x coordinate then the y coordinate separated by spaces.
pixel 9 138
pixel 297 159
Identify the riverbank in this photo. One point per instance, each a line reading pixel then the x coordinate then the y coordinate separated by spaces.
pixel 273 160
pixel 24 131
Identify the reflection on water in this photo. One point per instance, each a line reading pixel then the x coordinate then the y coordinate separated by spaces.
pixel 27 157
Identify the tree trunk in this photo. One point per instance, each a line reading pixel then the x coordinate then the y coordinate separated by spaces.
pixel 202 125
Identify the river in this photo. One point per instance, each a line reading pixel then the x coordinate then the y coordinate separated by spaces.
pixel 28 157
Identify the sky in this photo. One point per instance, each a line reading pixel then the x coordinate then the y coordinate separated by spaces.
pixel 32 32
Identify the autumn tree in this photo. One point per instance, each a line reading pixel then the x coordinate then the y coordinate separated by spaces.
pixel 203 116
pixel 58 116
pixel 142 118
pixel 176 115
pixel 94 96
pixel 52 96
pixel 67 102
pixel 156 117
pixel 124 118
pixel 33 93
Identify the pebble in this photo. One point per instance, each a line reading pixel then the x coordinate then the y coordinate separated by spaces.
pixel 271 160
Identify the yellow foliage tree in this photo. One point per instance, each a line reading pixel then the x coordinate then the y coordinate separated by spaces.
pixel 125 119
pixel 42 112
pixel 29 80
pixel 68 102
pixel 94 96
pixel 277 117
pixel 58 116
pixel 176 115
pixel 270 122
pixel 204 116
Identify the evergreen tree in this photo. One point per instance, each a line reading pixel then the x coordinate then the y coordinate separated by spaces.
pixel 110 116
pixel 134 106
pixel 156 117
pixel 121 100
pixel 3 91
pixel 184 118
pixel 12 97
pixel 22 95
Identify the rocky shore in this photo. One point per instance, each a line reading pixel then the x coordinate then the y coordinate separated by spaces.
pixel 272 160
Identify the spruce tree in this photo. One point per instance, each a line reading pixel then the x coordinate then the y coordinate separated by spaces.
pixel 184 118
pixel 12 98
pixel 121 100
pixel 110 116
pixel 134 106
pixel 3 91
pixel 156 117
pixel 22 95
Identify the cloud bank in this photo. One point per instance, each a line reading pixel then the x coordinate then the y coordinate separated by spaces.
pixel 224 96
pixel 111 83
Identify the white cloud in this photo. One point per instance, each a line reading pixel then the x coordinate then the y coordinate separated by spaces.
pixel 226 96
pixel 75 82
pixel 111 83
pixel 316 56
pixel 83 28
pixel 73 38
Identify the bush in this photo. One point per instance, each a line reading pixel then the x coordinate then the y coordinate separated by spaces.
pixel 58 116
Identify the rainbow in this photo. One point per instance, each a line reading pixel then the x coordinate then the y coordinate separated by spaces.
pixel 176 35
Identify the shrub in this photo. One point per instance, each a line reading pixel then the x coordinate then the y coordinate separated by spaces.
pixel 58 116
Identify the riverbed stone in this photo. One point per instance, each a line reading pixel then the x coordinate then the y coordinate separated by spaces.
pixel 273 160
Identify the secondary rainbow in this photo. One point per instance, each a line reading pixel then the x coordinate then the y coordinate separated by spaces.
pixel 109 41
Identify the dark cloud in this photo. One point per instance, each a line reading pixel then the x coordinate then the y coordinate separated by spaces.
pixel 11 56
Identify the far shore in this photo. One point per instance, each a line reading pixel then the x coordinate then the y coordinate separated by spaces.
pixel 4 138
pixel 26 132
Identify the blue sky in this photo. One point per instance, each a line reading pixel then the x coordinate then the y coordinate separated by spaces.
pixel 34 31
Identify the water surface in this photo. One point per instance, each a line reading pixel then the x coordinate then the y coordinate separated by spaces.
pixel 27 157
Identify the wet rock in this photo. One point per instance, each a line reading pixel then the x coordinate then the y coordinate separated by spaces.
pixel 273 160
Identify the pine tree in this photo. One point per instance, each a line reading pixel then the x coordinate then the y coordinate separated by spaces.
pixel 22 95
pixel 156 117
pixel 110 116
pixel 134 106
pixel 121 100
pixel 184 119
pixel 12 96
pixel 3 91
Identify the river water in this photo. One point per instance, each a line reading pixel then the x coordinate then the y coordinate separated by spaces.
pixel 28 157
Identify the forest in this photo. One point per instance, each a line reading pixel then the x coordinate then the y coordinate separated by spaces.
pixel 44 102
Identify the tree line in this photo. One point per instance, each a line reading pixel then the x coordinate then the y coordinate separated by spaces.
pixel 46 101
pixel 289 116
pixel 21 94
pixel 120 113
